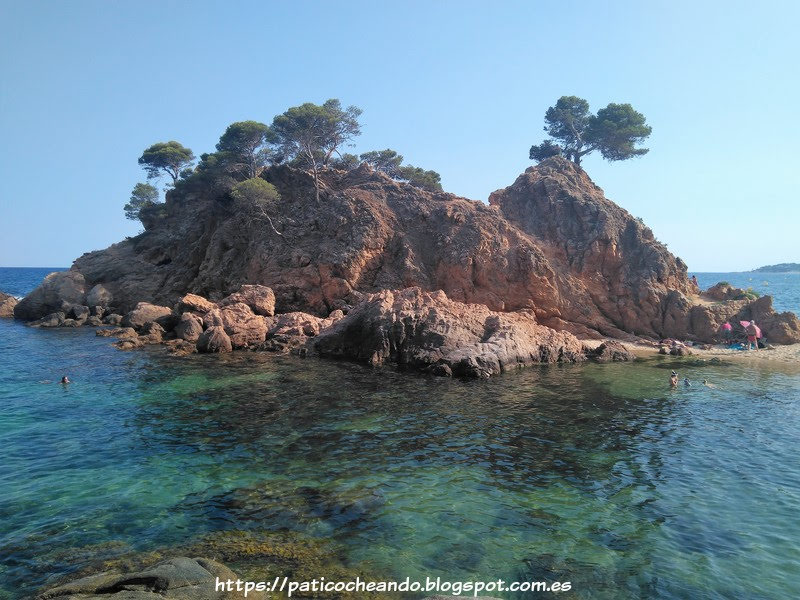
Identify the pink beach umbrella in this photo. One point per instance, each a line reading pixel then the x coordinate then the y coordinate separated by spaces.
pixel 726 326
pixel 746 324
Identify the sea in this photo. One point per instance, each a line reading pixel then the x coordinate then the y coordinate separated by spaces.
pixel 598 475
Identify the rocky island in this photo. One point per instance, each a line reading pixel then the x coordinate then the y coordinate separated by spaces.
pixel 381 271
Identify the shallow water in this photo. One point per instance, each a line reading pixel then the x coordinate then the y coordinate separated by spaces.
pixel 596 474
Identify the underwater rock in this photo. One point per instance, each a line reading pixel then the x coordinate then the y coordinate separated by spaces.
pixel 179 577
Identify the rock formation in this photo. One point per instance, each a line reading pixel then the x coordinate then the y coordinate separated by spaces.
pixel 7 304
pixel 426 330
pixel 550 252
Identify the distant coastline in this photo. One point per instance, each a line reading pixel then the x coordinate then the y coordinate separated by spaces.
pixel 779 268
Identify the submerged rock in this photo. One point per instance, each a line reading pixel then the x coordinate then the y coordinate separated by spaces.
pixel 180 577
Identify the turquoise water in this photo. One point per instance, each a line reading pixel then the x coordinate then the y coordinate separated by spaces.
pixel 595 474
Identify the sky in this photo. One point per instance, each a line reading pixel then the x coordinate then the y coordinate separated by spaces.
pixel 460 87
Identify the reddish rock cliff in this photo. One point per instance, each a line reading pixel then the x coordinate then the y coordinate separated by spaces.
pixel 550 243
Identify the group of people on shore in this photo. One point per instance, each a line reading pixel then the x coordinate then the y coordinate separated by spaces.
pixel 754 338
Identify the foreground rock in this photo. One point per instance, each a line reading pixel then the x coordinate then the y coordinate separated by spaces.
pixel 58 291
pixel 181 577
pixel 427 331
pixel 7 304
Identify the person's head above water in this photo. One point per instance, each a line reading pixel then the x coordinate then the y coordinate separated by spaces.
pixel 65 379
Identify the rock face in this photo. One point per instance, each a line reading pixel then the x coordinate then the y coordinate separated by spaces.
pixel 214 339
pixel 427 331
pixel 175 578
pixel 550 243
pixel 7 304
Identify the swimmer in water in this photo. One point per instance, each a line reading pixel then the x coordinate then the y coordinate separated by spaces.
pixel 710 385
pixel 686 382
pixel 65 380
pixel 673 380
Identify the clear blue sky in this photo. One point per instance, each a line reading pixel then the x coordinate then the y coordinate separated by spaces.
pixel 459 87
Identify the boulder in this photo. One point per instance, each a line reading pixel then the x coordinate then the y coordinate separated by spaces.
pixel 99 296
pixel 145 313
pixel 611 351
pixel 151 333
pixel 259 298
pixel 214 339
pixel 240 323
pixel 98 311
pixel 194 303
pixel 189 327
pixel 94 321
pixel 113 319
pixel 177 578
pixel 427 331
pixel 7 304
pixel 56 289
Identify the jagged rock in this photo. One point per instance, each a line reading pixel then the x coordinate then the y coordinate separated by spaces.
pixel 214 339
pixel 426 330
pixel 56 289
pixel 259 298
pixel 145 313
pixel 99 296
pixel 55 319
pixel 189 327
pixel 7 304
pixel 98 311
pixel 194 303
pixel 112 319
pixel 179 578
pixel 295 324
pixel 611 351
pixel 71 323
pixel 240 323
pixel 94 321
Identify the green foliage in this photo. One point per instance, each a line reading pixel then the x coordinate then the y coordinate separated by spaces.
pixel 345 162
pixel 166 157
pixel 418 177
pixel 255 192
pixel 388 161
pixel 245 145
pixel 143 195
pixel 544 150
pixel 615 131
pixel 748 294
pixel 314 133
pixel 313 130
